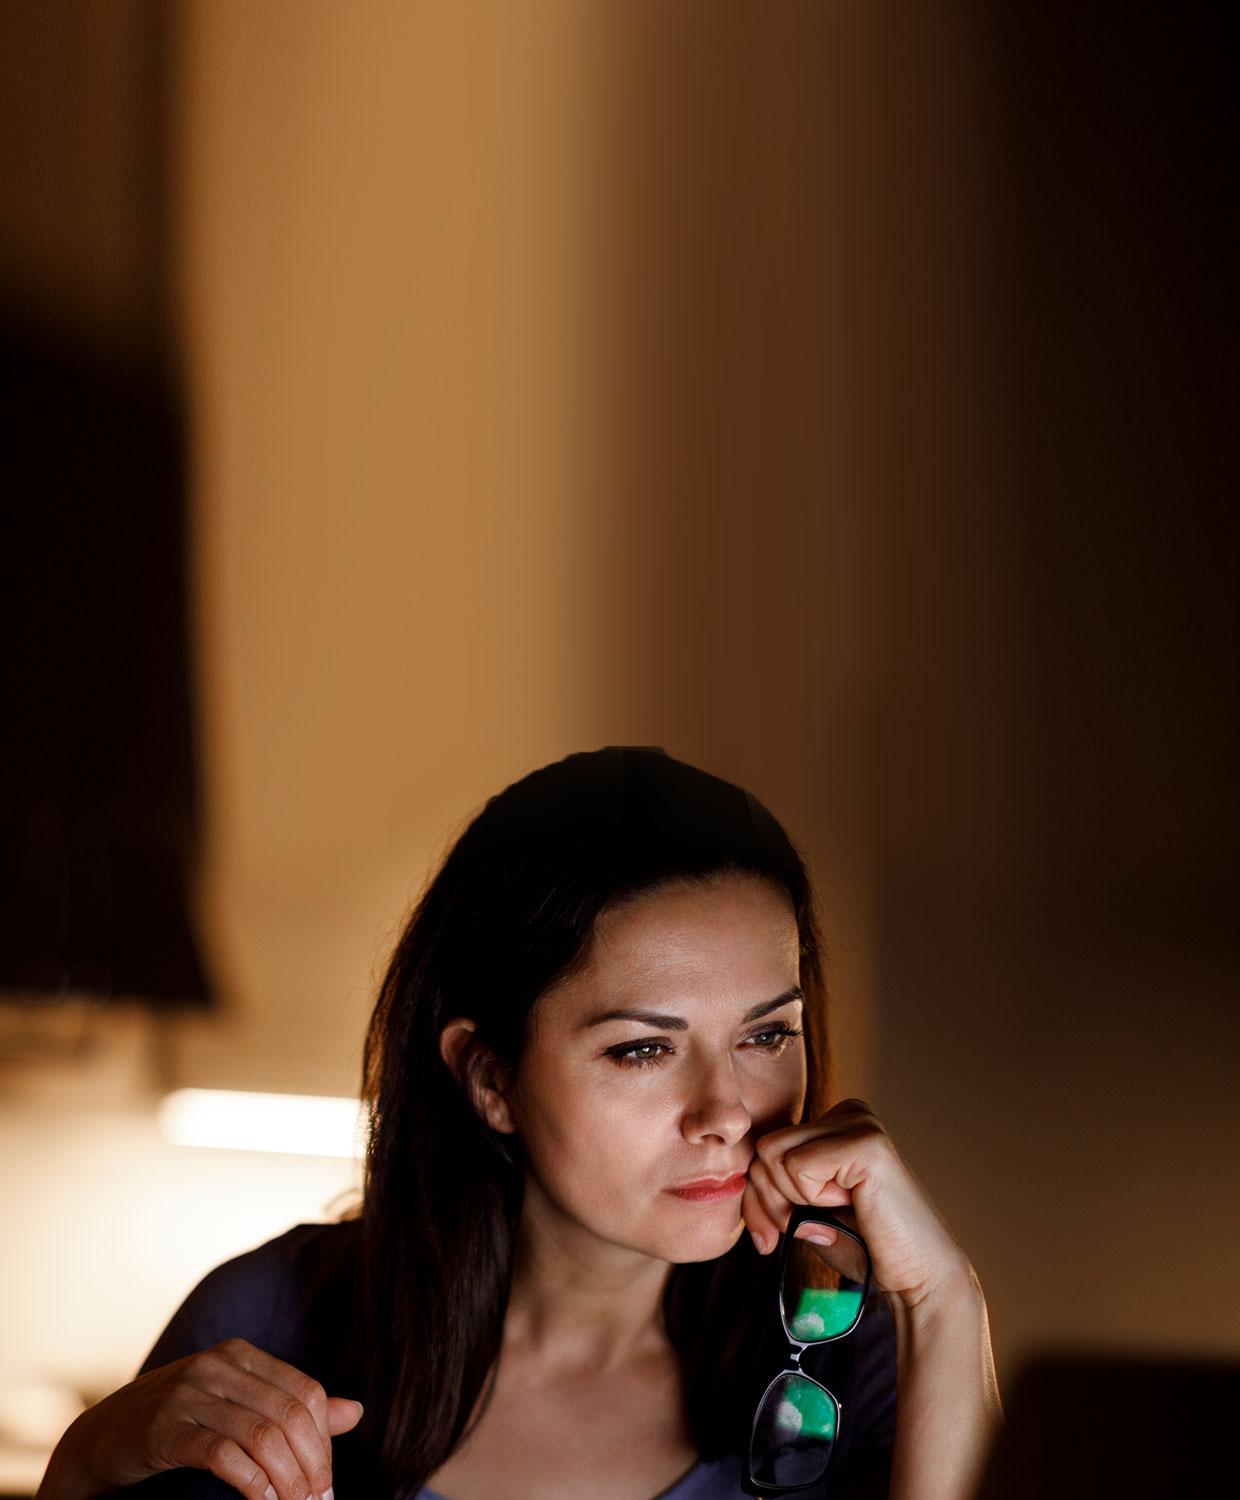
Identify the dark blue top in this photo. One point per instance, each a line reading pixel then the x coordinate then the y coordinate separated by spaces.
pixel 294 1297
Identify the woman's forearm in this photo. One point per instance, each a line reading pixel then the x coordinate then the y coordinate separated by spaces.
pixel 947 1396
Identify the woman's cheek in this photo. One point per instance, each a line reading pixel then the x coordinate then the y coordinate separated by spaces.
pixel 776 1099
pixel 592 1127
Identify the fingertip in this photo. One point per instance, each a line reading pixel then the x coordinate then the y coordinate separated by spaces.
pixel 343 1414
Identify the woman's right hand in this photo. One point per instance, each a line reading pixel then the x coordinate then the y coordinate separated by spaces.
pixel 258 1424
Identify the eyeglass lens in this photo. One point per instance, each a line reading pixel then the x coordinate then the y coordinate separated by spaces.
pixel 821 1296
pixel 822 1287
pixel 794 1431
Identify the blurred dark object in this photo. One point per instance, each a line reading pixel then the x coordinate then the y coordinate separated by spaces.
pixel 97 773
pixel 98 826
pixel 1089 1426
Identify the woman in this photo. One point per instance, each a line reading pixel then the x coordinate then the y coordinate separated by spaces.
pixel 611 990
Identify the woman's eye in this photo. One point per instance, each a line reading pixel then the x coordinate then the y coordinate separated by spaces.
pixel 774 1039
pixel 781 1035
pixel 628 1056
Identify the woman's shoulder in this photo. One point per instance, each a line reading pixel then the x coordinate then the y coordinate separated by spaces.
pixel 267 1295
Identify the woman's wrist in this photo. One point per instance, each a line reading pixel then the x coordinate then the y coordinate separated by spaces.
pixel 954 1291
pixel 950 1324
pixel 948 1408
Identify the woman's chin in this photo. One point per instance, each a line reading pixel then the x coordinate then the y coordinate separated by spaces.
pixel 706 1242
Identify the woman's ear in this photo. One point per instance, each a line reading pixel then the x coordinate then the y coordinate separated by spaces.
pixel 479 1072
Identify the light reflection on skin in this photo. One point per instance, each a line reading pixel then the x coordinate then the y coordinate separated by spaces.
pixel 604 1138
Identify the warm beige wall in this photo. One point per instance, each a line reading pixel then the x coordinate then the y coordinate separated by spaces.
pixel 403 241
pixel 387 312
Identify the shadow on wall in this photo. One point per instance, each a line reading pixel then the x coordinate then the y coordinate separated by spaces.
pixel 1082 1426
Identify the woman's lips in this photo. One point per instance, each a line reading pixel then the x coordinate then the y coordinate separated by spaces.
pixel 711 1192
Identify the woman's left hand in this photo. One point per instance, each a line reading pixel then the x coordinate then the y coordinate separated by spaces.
pixel 845 1159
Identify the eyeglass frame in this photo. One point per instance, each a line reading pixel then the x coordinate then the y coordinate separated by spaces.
pixel 804 1214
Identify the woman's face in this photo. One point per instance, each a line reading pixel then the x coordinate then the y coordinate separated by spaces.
pixel 615 1110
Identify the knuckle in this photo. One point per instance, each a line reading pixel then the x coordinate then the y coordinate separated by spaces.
pixel 299 1420
pixel 293 1413
pixel 868 1126
pixel 265 1435
pixel 210 1364
pixel 860 1118
pixel 803 1178
pixel 227 1461
pixel 217 1450
pixel 231 1348
pixel 167 1441
pixel 257 1485
pixel 312 1394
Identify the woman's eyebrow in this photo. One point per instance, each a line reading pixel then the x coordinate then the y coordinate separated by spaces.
pixel 678 1023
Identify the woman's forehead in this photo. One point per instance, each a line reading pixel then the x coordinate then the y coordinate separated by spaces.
pixel 698 949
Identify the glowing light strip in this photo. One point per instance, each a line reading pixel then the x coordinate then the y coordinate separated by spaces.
pixel 296 1124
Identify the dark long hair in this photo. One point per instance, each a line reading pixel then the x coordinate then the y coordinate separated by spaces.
pixel 510 911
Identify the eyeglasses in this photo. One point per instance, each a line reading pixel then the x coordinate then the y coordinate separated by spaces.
pixel 822 1294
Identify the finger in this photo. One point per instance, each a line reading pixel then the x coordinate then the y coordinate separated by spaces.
pixel 304 1395
pixel 267 1443
pixel 817 1234
pixel 840 1119
pixel 852 1107
pixel 815 1175
pixel 770 1159
pixel 343 1413
pixel 774 1203
pixel 832 1167
pixel 297 1426
pixel 821 1162
pixel 762 1227
pixel 191 1446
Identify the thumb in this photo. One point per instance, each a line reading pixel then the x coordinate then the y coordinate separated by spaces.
pixel 342 1414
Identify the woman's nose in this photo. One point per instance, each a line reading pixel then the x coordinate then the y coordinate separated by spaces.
pixel 715 1106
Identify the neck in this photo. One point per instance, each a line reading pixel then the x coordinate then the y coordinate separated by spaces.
pixel 578 1303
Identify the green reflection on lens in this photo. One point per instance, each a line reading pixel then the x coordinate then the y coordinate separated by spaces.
pixel 805 1410
pixel 824 1311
